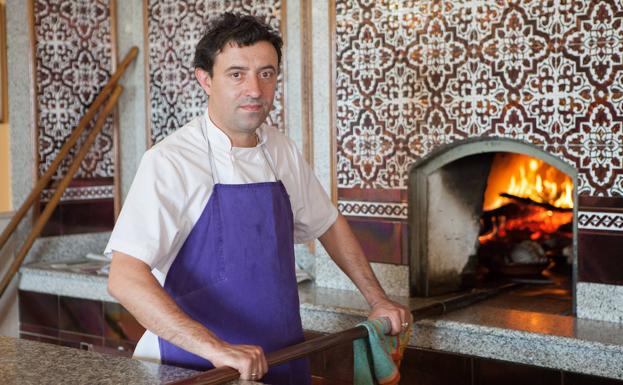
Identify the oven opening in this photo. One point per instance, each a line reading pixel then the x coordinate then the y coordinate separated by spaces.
pixel 486 218
pixel 526 226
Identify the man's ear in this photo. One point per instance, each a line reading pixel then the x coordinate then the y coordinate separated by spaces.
pixel 204 79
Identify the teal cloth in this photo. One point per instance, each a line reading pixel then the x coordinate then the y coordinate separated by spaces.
pixel 373 355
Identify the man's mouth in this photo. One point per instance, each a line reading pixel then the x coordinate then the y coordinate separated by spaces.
pixel 251 107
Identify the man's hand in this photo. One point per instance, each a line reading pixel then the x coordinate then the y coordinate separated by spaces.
pixel 343 247
pixel 249 360
pixel 399 316
pixel 131 282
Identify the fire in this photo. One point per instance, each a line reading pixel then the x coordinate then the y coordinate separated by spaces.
pixel 525 177
pixel 542 197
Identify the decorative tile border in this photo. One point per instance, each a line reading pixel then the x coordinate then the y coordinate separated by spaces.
pixel 602 221
pixel 173 30
pixel 373 209
pixel 81 193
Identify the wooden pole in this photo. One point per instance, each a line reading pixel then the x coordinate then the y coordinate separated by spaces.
pixel 225 374
pixel 60 189
pixel 71 141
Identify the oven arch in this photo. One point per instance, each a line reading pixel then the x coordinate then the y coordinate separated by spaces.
pixel 418 198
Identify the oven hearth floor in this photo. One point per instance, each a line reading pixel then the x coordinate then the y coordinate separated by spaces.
pixel 541 298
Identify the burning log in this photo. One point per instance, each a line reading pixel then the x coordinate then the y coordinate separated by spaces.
pixel 529 201
pixel 523 215
pixel 521 237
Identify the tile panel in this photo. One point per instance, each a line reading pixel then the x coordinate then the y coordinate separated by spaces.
pixel 173 30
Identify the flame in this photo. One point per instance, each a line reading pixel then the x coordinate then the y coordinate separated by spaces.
pixel 527 177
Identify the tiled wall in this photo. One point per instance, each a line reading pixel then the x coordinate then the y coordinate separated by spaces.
pixel 74 55
pixel 173 30
pixel 73 46
pixel 600 240
pixel 79 323
pixel 415 75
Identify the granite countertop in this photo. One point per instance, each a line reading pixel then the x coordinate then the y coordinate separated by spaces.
pixel 24 362
pixel 535 334
pixel 547 340
pixel 27 362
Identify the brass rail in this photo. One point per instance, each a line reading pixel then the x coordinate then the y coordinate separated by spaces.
pixel 226 374
pixel 110 89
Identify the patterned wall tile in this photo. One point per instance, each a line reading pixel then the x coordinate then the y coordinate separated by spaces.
pixel 548 73
pixel 415 75
pixel 73 61
pixel 173 29
pixel 73 48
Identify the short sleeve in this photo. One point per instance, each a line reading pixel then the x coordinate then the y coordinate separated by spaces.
pixel 313 210
pixel 149 223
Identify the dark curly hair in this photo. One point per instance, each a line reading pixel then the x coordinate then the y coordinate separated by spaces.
pixel 244 30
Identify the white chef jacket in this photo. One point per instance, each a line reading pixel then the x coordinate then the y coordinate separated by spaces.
pixel 174 182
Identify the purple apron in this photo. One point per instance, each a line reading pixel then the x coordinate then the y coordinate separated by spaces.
pixel 235 274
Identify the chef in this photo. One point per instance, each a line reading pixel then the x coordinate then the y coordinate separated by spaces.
pixel 203 250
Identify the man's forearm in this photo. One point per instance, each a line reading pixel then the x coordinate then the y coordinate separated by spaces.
pixel 133 285
pixel 344 249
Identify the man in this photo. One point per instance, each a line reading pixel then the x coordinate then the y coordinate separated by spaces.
pixel 202 253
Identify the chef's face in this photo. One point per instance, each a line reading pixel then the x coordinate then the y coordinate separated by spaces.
pixel 242 86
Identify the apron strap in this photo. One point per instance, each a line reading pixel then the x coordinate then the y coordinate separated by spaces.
pixel 214 173
pixel 269 160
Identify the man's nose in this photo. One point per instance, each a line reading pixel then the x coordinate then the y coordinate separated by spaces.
pixel 253 88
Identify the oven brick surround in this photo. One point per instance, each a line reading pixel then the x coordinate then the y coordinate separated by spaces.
pixel 412 76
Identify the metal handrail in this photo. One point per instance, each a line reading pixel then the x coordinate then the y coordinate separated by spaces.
pixel 225 374
pixel 110 89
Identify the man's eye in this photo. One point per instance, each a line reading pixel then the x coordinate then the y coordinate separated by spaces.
pixel 266 75
pixel 236 75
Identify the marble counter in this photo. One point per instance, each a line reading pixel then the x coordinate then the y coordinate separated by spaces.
pixel 489 330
